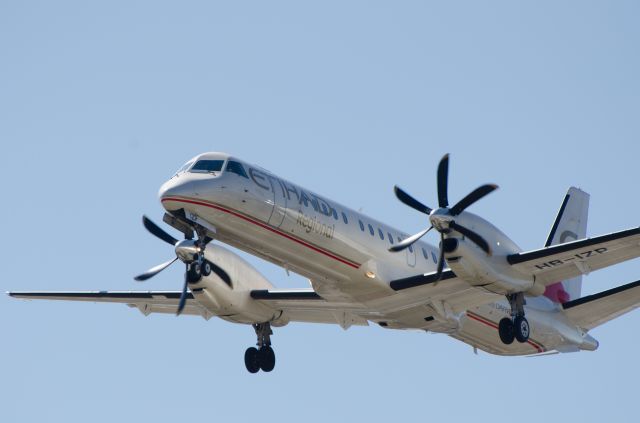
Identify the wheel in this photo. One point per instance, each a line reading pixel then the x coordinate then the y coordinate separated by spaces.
pixel 267 358
pixel 521 329
pixel 206 268
pixel 505 330
pixel 251 360
pixel 194 273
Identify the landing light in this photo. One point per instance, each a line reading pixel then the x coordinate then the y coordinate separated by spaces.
pixel 370 274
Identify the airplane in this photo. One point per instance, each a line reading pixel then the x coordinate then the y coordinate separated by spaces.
pixel 476 286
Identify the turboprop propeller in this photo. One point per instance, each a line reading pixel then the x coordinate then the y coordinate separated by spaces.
pixel 443 218
pixel 190 252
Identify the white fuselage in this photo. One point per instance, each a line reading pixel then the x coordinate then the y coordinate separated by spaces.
pixel 345 255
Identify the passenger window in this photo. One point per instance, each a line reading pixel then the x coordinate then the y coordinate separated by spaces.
pixel 380 234
pixel 237 168
pixel 344 219
pixel 371 229
pixel 361 225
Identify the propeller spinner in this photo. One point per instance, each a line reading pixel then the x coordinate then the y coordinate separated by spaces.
pixel 443 218
pixel 190 252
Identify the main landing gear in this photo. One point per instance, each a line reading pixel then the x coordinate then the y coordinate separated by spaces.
pixel 516 327
pixel 261 358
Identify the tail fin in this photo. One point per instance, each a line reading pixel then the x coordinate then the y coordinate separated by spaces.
pixel 570 225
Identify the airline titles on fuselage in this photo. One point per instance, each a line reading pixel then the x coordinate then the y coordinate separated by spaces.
pixel 313 224
pixel 301 197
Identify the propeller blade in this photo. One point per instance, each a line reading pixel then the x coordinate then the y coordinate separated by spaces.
pixel 154 270
pixel 222 274
pixel 443 181
pixel 407 242
pixel 183 297
pixel 473 236
pixel 157 231
pixel 441 258
pixel 472 197
pixel 410 201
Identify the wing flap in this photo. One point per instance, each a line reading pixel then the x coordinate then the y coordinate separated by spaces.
pixel 305 305
pixel 594 310
pixel 449 289
pixel 146 301
pixel 565 261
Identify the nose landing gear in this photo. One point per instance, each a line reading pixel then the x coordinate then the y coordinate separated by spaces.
pixel 516 327
pixel 197 269
pixel 261 358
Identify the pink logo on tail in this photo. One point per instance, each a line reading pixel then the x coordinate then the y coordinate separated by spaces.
pixel 556 293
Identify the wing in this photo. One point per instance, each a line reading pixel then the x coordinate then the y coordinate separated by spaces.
pixel 565 261
pixel 594 310
pixel 305 305
pixel 449 289
pixel 147 302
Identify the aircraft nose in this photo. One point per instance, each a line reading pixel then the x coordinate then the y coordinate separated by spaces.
pixel 183 189
pixel 174 189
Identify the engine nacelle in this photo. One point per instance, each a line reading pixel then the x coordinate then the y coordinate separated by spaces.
pixel 471 263
pixel 234 302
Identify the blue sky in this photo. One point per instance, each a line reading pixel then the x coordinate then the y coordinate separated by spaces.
pixel 101 102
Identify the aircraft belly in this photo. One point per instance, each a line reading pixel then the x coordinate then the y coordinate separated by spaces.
pixel 480 329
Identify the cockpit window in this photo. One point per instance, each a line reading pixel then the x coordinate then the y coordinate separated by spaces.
pixel 207 166
pixel 237 168
pixel 184 167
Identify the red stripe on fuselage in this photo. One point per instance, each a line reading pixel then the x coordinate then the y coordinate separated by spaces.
pixel 489 323
pixel 264 226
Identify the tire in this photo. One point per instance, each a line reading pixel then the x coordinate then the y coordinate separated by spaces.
pixel 194 273
pixel 505 330
pixel 206 268
pixel 521 329
pixel 251 360
pixel 267 358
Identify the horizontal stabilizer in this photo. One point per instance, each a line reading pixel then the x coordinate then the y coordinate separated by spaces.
pixel 594 310
pixel 564 261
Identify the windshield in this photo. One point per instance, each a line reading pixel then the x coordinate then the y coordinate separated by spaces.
pixel 184 167
pixel 237 168
pixel 207 166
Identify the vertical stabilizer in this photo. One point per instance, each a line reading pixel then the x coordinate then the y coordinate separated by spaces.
pixel 570 225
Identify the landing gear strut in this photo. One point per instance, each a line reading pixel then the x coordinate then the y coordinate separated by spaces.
pixel 516 327
pixel 199 267
pixel 261 358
